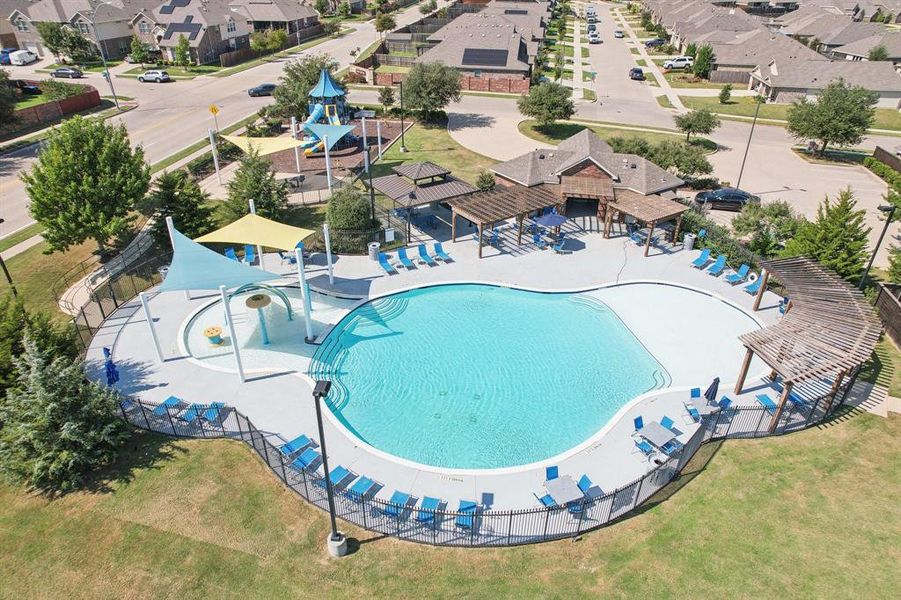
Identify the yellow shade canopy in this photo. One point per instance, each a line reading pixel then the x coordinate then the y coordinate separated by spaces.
pixel 263 145
pixel 258 231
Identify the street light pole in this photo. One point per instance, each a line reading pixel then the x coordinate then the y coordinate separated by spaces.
pixel 403 146
pixel 337 542
pixel 889 211
pixel 9 278
pixel 748 145
pixel 109 76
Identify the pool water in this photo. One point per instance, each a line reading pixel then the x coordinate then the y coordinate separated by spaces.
pixel 478 376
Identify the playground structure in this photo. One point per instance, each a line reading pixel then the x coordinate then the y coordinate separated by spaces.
pixel 328 102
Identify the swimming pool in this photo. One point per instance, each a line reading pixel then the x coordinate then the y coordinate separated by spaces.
pixel 477 376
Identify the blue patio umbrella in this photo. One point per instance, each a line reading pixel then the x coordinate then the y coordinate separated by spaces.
pixel 551 220
pixel 112 373
pixel 712 391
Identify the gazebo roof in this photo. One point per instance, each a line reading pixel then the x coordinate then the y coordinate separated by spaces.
pixel 421 170
pixel 586 187
pixel 326 87
pixel 258 231
pixel 504 202
pixel 648 209
pixel 399 189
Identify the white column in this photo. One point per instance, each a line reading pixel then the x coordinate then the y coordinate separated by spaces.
pixel 378 134
pixel 253 211
pixel 149 317
pixel 307 307
pixel 296 149
pixel 231 332
pixel 171 227
pixel 365 141
pixel 328 163
pixel 328 252
pixel 215 156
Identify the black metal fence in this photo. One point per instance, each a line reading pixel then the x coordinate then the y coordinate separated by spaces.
pixel 446 527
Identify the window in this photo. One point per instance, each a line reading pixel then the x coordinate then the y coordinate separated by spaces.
pixel 144 27
pixel 476 73
pixel 84 28
pixel 22 25
pixel 232 27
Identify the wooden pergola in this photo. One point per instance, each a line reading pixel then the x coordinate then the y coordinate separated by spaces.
pixel 649 210
pixel 500 204
pixel 830 329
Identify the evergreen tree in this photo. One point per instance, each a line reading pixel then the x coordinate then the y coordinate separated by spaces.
pixel 841 115
pixel 704 59
pixel 894 263
pixel 837 239
pixel 8 99
pixel 725 94
pixel 255 180
pixel 57 426
pixel 180 197
pixel 139 52
pixel 485 181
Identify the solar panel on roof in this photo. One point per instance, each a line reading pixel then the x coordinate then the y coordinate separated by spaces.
pixel 168 9
pixel 485 57
pixel 515 11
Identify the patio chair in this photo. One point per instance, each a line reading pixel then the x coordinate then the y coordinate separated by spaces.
pixel 361 488
pixel 695 392
pixel 702 260
pixel 702 233
pixel 646 448
pixel 440 253
pixel 383 262
pixel 724 403
pixel 636 237
pixel 170 402
pixel 793 397
pixel 404 259
pixel 767 403
pixel 538 241
pixel 639 423
pixel 250 254
pixel 739 275
pixel 424 256
pixel 667 422
pixel 466 518
pixel 575 507
pixel 671 446
pixel 287 258
pixel 213 414
pixel 190 414
pixel 230 253
pixel 546 501
pixel 338 475
pixel 558 247
pixel 396 505
pixel 692 412
pixel 306 459
pixel 295 445
pixel 717 268
pixel 584 483
pixel 551 473
pixel 753 287
pixel 427 509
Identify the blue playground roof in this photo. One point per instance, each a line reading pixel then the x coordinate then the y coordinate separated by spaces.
pixel 326 88
pixel 334 132
pixel 197 268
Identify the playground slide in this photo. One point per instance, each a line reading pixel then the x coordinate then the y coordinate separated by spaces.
pixel 317 113
pixel 333 119
pixel 317 146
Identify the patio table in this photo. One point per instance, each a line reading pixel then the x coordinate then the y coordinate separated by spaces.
pixel 657 434
pixel 563 489
pixel 704 407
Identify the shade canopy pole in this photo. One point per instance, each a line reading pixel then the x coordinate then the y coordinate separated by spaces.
pixel 170 226
pixel 149 317
pixel 328 253
pixel 365 140
pixel 231 331
pixel 328 163
pixel 253 211
pixel 215 155
pixel 307 307
pixel 296 148
pixel 378 134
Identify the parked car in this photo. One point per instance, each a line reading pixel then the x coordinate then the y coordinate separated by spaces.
pixel 67 72
pixel 725 199
pixel 591 18
pixel 594 37
pixel 636 74
pixel 680 62
pixel 264 89
pixel 22 57
pixel 155 76
pixel 618 33
pixel 592 27
pixel 654 43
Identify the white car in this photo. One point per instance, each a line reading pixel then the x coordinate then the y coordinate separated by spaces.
pixel 680 62
pixel 594 37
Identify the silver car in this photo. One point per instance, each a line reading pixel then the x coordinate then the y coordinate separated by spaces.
pixel 155 76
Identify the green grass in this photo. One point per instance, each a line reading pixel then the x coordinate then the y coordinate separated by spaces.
pixel 588 94
pixel 634 50
pixel 587 75
pixel 20 236
pixel 641 62
pixel 199 519
pixel 885 367
pixel 96 67
pixel 558 132
pixel 173 71
pixel 391 69
pixel 833 156
pixel 585 52
pixel 29 101
pixel 664 101
pixel 682 79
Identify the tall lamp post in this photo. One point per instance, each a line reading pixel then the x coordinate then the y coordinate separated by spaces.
pixel 9 278
pixel 759 100
pixel 889 211
pixel 336 542
pixel 106 73
pixel 403 146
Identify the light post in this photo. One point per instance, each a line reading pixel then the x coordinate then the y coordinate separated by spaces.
pixel 9 278
pixel 106 73
pixel 889 211
pixel 403 146
pixel 336 542
pixel 759 100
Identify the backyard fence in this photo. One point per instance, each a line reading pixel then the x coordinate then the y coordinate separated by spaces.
pixel 486 527
pixel 889 306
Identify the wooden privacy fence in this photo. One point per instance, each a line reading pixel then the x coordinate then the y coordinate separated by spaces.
pixel 889 307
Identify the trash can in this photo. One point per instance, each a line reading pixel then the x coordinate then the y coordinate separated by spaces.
pixel 374 250
pixel 688 241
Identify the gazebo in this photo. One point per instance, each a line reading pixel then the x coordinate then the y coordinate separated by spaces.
pixel 649 210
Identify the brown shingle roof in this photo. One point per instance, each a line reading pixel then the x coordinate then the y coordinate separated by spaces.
pixel 420 170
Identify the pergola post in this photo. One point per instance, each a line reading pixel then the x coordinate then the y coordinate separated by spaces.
pixel 786 390
pixel 608 220
pixel 743 372
pixel 453 225
pixel 480 239
pixel 678 229
pixel 520 219
pixel 764 276
pixel 835 387
pixel 647 242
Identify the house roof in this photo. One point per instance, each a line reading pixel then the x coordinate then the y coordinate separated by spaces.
pixel 64 11
pixel 813 75
pixel 486 42
pixel 891 42
pixel 760 47
pixel 191 18
pixel 273 10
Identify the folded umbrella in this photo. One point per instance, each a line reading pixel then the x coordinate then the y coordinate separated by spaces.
pixel 712 391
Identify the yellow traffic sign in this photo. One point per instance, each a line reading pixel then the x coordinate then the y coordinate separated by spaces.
pixel 214 110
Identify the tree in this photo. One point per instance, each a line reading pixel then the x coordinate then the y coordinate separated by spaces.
pixel 349 209
pixel 183 52
pixel 814 43
pixel 878 53
pixel 386 97
pixel 180 197
pixel 429 87
pixel 139 52
pixel 77 47
pixel 330 28
pixel 691 50
pixel 298 78
pixel 837 239
pixel 54 37
pixel 255 180
pixel 85 183
pixel 8 99
pixel 384 23
pixel 344 9
pixel 703 64
pixel 547 103
pixel 894 263
pixel 725 94
pixel 57 425
pixel 840 115
pixel 259 42
pixel 671 155
pixel 321 6
pixel 768 226
pixel 485 181
pixel 696 121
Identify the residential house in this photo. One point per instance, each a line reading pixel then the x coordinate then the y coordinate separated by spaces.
pixel 290 15
pixel 860 50
pixel 734 60
pixel 7 30
pixel 787 81
pixel 825 30
pixel 210 26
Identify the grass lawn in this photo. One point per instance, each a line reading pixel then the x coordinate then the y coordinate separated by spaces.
pixel 682 79
pixel 831 157
pixel 641 62
pixel 20 236
pixel 664 101
pixel 194 71
pixel 560 131
pixel 885 367
pixel 391 69
pixel 29 101
pixel 808 515
pixel 588 94
pixel 95 67
pixel 585 52
pixel 568 51
pixel 634 50
pixel 587 75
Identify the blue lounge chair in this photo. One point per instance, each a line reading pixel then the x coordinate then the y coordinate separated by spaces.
pixel 695 392
pixel 793 397
pixel 467 510
pixel 639 423
pixel 213 413
pixel 170 402
pixel 295 445
pixel 361 488
pixel 767 403
pixel 307 458
pixel 702 233
pixel 584 484
pixel 539 241
pixel 645 447
pixel 404 259
pixel 337 476
pixel 230 253
pixel 753 287
pixel 397 504
pixel 383 262
pixel 717 268
pixel 692 412
pixel 724 403
pixel 547 501
pixel 440 253
pixel 739 275
pixel 558 247
pixel 427 509
pixel 287 258
pixel 702 260
pixel 424 255
pixel 250 254
pixel 551 473
pixel 190 414
pixel 667 422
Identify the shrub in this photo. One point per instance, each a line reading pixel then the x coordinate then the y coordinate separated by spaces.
pixel 890 175
pixel 485 181
pixel 725 94
pixel 349 209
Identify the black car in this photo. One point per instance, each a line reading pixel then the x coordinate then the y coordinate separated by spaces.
pixel 654 43
pixel 636 74
pixel 264 89
pixel 67 72
pixel 725 199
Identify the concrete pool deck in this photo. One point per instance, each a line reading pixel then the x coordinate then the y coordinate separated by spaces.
pixel 280 403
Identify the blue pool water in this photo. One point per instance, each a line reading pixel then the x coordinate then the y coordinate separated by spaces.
pixel 478 376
